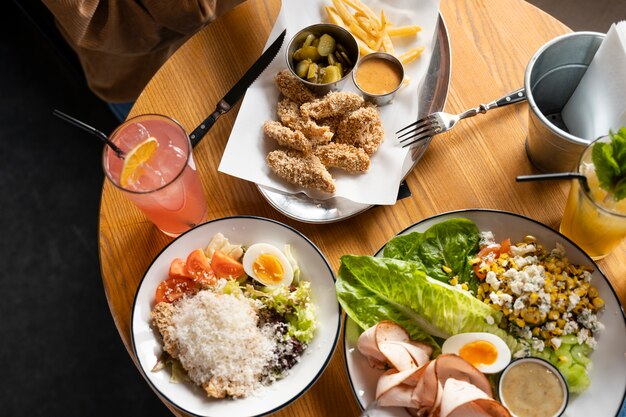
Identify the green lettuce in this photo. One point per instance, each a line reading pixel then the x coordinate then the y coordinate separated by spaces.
pixel 372 289
pixel 450 243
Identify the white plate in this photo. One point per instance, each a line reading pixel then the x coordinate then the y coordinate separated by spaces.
pixel 608 374
pixel 243 230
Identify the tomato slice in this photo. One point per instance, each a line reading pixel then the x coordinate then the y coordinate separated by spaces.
pixel 226 267
pixel 505 246
pixel 493 248
pixel 198 267
pixel 172 289
pixel 178 269
pixel 481 275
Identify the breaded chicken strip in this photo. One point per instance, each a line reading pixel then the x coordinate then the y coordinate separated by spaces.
pixel 293 139
pixel 162 320
pixel 332 104
pixel 341 155
pixel 289 114
pixel 361 128
pixel 304 170
pixel 290 86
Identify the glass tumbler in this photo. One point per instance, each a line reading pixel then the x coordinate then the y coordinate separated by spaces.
pixel 166 187
pixel 592 217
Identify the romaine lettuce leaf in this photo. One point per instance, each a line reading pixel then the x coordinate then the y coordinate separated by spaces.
pixel 450 243
pixel 372 289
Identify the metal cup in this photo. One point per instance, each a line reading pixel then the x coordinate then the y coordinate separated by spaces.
pixel 551 77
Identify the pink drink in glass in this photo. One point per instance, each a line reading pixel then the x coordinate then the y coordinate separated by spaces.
pixel 167 188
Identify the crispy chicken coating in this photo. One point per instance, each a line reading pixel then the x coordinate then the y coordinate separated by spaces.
pixel 285 136
pixel 162 320
pixel 341 155
pixel 332 104
pixel 361 128
pixel 289 114
pixel 305 170
pixel 293 88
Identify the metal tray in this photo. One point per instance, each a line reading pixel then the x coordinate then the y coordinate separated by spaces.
pixel 431 96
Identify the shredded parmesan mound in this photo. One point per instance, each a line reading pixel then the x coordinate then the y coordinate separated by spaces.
pixel 219 343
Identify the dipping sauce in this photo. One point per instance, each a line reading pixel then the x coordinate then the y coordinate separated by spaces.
pixel 530 389
pixel 378 76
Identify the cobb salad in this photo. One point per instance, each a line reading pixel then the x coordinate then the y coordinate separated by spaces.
pixel 454 282
pixel 233 318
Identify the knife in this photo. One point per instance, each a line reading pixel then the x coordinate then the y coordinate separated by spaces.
pixel 235 93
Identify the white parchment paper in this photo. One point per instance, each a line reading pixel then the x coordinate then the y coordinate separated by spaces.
pixel 246 150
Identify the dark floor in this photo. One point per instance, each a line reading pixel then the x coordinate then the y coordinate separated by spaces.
pixel 60 352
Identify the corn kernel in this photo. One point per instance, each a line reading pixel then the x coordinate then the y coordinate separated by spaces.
pixel 446 269
pixel 598 302
pixel 520 322
pixel 533 298
pixel 536 331
pixel 593 292
pixel 562 358
pixel 560 323
pixel 544 334
pixel 553 315
pixel 453 281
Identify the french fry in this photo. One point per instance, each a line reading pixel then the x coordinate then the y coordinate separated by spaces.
pixel 372 33
pixel 357 5
pixel 334 18
pixel 367 25
pixel 387 44
pixel 411 54
pixel 404 30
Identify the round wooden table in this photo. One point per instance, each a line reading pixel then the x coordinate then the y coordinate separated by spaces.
pixel 472 166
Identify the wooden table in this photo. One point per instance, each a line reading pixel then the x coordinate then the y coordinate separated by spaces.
pixel 472 166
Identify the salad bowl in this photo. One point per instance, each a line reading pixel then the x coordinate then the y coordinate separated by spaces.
pixel 244 230
pixel 607 375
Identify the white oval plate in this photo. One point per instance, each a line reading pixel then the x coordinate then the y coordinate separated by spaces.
pixel 608 374
pixel 243 230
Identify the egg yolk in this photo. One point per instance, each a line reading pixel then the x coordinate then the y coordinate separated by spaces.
pixel 268 269
pixel 479 352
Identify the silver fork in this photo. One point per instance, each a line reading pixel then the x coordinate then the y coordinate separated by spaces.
pixel 440 122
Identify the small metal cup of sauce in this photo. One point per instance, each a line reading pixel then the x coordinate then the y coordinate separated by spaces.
pixel 378 76
pixel 533 387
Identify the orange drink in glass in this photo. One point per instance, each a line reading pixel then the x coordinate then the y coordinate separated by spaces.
pixel 158 173
pixel 593 218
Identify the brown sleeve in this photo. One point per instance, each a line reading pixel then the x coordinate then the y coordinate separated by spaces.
pixel 122 43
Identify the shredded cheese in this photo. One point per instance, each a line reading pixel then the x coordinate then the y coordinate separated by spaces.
pixel 219 342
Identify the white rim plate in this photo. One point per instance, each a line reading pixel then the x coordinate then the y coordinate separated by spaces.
pixel 606 393
pixel 244 230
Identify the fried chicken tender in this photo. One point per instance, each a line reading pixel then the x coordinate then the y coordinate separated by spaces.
pixel 341 155
pixel 293 88
pixel 305 170
pixel 285 136
pixel 332 104
pixel 289 114
pixel 361 128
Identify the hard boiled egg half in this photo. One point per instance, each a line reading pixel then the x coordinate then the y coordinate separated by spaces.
pixel 485 351
pixel 268 265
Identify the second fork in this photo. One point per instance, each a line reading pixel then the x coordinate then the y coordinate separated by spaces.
pixel 440 122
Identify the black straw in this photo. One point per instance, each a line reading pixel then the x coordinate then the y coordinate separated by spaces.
pixel 552 176
pixel 91 130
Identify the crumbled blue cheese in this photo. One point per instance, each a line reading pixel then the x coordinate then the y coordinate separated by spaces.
pixel 537 344
pixel 486 238
pixel 523 352
pixel 522 250
pixel 589 320
pixel 573 301
pixel 570 327
pixel 519 304
pixel 501 299
pixel 550 326
pixel 558 251
pixel 492 279
pixel 556 342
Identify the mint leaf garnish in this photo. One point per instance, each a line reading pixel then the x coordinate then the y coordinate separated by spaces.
pixel 609 160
